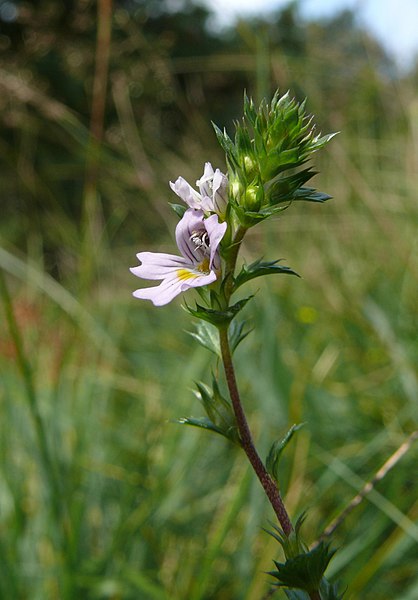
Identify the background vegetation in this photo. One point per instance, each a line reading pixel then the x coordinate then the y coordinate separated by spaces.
pixel 101 497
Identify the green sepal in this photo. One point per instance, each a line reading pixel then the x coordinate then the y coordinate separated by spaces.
pixel 276 450
pixel 179 209
pixel 304 571
pixel 218 317
pixel 259 268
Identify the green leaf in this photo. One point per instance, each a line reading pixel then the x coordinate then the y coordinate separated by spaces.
pixel 319 142
pixel 227 145
pixel 273 458
pixel 286 188
pixel 221 418
pixel 202 422
pixel 207 335
pixel 296 595
pixel 237 334
pixel 179 209
pixel 218 317
pixel 304 571
pixel 329 591
pixel 311 195
pixel 259 268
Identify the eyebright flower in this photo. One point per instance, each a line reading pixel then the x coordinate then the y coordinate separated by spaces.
pixel 213 191
pixel 198 240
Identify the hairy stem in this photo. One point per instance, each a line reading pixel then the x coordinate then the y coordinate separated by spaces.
pixel 266 481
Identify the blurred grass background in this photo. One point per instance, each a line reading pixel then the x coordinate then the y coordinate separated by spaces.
pixel 101 497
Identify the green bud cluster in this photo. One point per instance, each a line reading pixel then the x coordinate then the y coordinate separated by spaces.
pixel 266 158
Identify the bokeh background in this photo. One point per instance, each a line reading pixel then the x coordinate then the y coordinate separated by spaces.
pixel 102 496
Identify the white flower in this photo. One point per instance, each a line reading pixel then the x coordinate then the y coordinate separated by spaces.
pixel 213 191
pixel 198 240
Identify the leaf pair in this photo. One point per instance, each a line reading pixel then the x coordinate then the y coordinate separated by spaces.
pixel 220 415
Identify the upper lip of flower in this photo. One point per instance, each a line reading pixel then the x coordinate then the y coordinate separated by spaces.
pixel 212 195
pixel 198 240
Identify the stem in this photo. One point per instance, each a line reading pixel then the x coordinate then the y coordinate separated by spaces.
pixel 266 481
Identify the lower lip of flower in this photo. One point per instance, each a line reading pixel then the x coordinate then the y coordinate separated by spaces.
pixel 185 274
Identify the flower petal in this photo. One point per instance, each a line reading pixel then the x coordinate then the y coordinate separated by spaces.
pixel 172 286
pixel 216 231
pixel 185 191
pixel 220 191
pixel 192 220
pixel 157 265
pixel 160 294
pixel 205 182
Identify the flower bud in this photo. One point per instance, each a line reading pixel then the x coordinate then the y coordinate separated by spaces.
pixel 249 166
pixel 236 189
pixel 253 198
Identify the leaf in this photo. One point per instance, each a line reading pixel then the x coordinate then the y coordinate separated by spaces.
pixel 319 142
pixel 285 189
pixel 311 195
pixel 329 591
pixel 296 595
pixel 202 422
pixel 273 458
pixel 218 317
pixel 304 571
pixel 220 415
pixel 259 268
pixel 207 335
pixel 237 334
pixel 227 145
pixel 179 209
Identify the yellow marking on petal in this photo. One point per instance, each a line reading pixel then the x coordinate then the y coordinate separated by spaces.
pixel 184 274
pixel 204 266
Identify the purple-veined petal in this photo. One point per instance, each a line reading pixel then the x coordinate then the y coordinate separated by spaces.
pixel 205 182
pixel 192 220
pixel 185 191
pixel 157 265
pixel 178 282
pixel 216 231
pixel 220 191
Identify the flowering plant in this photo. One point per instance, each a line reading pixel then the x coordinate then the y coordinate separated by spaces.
pixel 267 172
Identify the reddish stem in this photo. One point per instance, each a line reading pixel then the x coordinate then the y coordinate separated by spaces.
pixel 266 481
